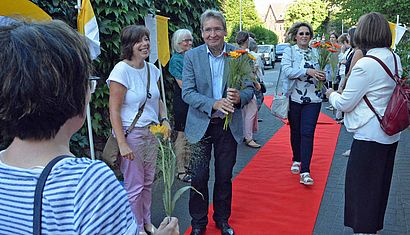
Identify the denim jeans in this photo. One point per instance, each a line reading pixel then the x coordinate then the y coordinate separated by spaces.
pixel 303 119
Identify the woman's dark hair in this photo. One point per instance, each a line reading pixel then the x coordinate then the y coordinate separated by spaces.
pixel 242 37
pixel 351 32
pixel 44 73
pixel 343 38
pixel 334 33
pixel 293 31
pixel 373 31
pixel 129 36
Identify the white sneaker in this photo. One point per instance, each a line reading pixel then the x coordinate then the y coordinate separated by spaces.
pixel 306 179
pixel 295 168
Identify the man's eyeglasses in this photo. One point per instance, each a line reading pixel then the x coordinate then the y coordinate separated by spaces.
pixel 215 30
pixel 304 33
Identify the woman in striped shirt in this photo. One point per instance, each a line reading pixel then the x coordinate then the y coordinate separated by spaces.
pixel 44 87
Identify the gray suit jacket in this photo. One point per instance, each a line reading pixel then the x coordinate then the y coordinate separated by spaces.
pixel 197 93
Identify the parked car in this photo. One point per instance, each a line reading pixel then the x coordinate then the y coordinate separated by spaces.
pixel 267 53
pixel 279 50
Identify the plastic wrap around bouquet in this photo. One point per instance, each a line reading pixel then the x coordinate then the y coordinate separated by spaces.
pixel 240 64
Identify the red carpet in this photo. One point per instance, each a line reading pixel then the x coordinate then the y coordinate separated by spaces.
pixel 268 199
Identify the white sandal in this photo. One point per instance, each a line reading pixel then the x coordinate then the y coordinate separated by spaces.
pixel 295 168
pixel 306 179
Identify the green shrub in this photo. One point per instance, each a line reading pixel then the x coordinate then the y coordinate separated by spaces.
pixel 112 16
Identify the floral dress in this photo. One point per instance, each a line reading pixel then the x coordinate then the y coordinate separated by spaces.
pixel 305 90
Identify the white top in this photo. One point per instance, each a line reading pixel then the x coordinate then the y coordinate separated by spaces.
pixel 135 80
pixel 302 87
pixel 343 56
pixel 368 78
pixel 81 196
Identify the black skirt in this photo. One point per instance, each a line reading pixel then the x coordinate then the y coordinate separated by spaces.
pixel 368 178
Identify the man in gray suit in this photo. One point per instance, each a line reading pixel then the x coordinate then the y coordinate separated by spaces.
pixel 204 90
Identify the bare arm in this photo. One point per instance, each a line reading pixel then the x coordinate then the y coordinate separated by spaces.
pixel 117 94
pixel 163 116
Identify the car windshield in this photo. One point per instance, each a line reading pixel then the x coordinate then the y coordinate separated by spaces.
pixel 281 46
pixel 263 49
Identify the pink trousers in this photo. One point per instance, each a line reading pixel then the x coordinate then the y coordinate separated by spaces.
pixel 139 173
pixel 250 119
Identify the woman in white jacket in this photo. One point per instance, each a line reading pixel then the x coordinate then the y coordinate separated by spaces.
pixel 370 166
pixel 301 73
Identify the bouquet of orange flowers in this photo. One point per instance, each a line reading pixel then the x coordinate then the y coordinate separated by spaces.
pixel 327 52
pixel 240 69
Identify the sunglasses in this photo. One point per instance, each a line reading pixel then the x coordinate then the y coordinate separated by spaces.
pixel 304 33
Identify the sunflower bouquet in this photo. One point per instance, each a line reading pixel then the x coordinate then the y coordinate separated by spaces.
pixel 166 164
pixel 241 65
pixel 327 54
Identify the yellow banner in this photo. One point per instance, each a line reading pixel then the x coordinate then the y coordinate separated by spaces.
pixel 163 41
pixel 393 34
pixel 23 9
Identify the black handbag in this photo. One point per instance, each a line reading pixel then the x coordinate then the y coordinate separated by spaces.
pixel 263 87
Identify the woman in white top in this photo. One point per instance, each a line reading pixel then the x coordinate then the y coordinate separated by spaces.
pixel 370 166
pixel 301 73
pixel 128 91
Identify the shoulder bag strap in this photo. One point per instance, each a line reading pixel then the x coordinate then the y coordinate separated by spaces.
pixel 141 109
pixel 390 75
pixel 38 194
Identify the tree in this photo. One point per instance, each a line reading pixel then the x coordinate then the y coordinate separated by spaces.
pixel 262 35
pixel 231 10
pixel 352 9
pixel 314 12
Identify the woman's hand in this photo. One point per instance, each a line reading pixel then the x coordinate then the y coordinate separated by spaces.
pixel 328 92
pixel 126 151
pixel 257 86
pixel 168 227
pixel 319 75
pixel 168 126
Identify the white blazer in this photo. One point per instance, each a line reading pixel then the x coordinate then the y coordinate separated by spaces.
pixel 368 78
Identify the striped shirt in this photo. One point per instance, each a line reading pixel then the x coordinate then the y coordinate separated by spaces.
pixel 81 196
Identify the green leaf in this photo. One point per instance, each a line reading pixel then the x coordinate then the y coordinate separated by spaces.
pixel 180 191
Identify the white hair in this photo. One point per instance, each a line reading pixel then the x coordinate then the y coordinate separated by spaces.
pixel 177 38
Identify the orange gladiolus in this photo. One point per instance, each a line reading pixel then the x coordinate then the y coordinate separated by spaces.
pixel 316 44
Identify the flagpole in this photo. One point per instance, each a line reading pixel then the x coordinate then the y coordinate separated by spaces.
pixel 163 88
pixel 88 112
pixel 397 31
pixel 240 15
pixel 78 6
